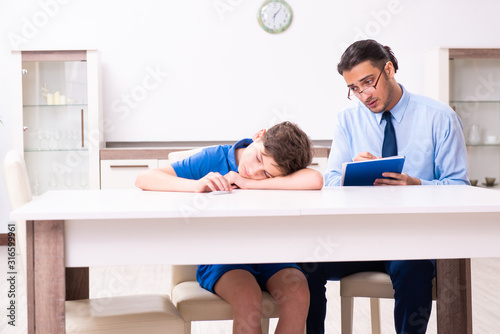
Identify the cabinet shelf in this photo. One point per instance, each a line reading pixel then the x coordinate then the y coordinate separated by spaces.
pixel 84 149
pixel 474 101
pixel 483 145
pixel 495 187
pixel 54 105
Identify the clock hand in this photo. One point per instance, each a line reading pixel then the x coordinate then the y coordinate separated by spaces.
pixel 274 16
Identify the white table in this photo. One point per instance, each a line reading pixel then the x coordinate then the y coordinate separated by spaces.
pixel 91 228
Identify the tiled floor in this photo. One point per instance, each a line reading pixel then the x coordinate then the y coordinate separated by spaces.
pixel 114 281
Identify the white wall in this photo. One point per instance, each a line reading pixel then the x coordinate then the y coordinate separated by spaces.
pixel 205 70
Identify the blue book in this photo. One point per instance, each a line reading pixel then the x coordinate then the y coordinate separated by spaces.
pixel 364 173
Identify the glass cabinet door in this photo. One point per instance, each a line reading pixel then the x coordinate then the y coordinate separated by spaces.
pixel 468 79
pixel 56 120
pixel 475 95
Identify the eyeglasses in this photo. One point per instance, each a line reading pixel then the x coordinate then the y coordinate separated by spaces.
pixel 367 90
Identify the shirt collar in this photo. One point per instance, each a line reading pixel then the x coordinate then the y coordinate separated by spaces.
pixel 231 155
pixel 399 109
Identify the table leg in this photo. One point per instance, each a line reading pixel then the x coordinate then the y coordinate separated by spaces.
pixel 46 281
pixel 454 296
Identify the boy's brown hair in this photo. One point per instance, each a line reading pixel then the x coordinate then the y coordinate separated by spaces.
pixel 289 146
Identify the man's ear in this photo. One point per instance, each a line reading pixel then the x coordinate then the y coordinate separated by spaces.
pixel 390 70
pixel 259 135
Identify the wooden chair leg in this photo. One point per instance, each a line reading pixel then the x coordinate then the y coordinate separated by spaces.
pixel 346 314
pixel 375 315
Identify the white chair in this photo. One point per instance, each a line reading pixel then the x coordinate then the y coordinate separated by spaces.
pixel 142 314
pixel 373 285
pixel 197 304
pixel 19 193
pixel 152 314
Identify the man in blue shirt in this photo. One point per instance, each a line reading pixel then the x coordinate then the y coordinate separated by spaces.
pixel 272 159
pixel 427 132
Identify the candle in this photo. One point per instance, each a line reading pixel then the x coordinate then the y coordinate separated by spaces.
pixel 63 99
pixel 57 98
pixel 50 98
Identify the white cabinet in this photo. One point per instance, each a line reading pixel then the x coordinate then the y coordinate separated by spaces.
pixel 121 174
pixel 469 81
pixel 57 117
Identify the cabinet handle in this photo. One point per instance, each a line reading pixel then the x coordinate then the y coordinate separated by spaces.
pixel 314 164
pixel 128 166
pixel 83 140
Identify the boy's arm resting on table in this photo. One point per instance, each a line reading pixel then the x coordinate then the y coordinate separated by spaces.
pixel 165 179
pixel 304 179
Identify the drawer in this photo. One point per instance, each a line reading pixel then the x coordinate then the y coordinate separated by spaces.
pixel 121 174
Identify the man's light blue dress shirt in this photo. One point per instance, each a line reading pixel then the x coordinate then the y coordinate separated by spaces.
pixel 429 133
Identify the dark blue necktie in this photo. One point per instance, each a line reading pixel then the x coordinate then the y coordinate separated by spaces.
pixel 390 146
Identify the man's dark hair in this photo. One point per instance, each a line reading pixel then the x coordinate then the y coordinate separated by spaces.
pixel 289 146
pixel 364 50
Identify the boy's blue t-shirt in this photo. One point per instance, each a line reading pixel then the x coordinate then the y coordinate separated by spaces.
pixel 221 159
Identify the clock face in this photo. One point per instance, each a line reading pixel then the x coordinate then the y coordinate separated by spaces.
pixel 275 16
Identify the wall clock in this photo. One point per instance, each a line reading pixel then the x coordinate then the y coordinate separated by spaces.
pixel 275 16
